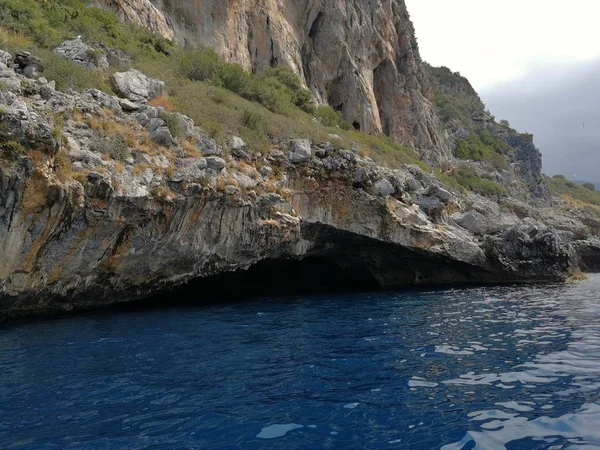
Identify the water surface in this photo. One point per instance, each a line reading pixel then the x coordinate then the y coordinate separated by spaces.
pixel 504 367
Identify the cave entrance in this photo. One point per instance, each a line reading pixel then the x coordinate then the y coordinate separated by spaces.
pixel 310 275
pixel 356 125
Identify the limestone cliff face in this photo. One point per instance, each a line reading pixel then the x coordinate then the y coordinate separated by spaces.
pixel 88 219
pixel 358 56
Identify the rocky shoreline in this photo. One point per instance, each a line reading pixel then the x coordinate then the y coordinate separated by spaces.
pixel 104 200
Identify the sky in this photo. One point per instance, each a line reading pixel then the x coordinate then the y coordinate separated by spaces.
pixel 533 62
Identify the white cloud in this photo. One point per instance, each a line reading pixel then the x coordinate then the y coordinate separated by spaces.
pixel 496 41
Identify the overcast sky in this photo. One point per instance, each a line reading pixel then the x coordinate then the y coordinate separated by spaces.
pixel 535 63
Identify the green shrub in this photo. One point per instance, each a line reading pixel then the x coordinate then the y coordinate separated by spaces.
pixel 174 124
pixel 10 148
pixel 253 120
pixel 67 74
pixel 589 186
pixel 561 186
pixel 483 146
pixel 113 145
pixel 279 89
pixel 468 178
pixel 329 117
pixel 220 97
pixel 299 96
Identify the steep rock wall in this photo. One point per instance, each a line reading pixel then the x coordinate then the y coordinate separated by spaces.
pixel 358 56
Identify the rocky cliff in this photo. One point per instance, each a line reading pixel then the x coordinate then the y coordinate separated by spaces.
pixel 100 203
pixel 115 195
pixel 360 57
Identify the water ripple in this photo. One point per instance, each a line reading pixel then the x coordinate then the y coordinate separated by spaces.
pixel 506 367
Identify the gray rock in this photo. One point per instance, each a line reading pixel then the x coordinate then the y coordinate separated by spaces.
pixel 244 181
pixel 361 176
pixel 207 146
pixel 438 192
pixel 162 136
pixel 237 144
pixel 141 157
pixel 83 54
pixel 473 222
pixel 27 64
pixel 300 151
pixel 413 185
pixel 147 176
pixel 266 171
pixel 76 153
pixel 30 72
pixel 215 163
pixel 155 123
pixel 348 155
pixel 9 80
pixel 97 99
pixel 136 86
pixel 6 59
pixel 382 188
pixel 231 190
pixel 239 152
pixel 270 199
pixel 128 105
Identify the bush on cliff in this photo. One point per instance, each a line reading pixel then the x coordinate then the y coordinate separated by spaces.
pixel 279 89
pixel 483 146
pixel 466 177
pixel 563 187
pixel 220 97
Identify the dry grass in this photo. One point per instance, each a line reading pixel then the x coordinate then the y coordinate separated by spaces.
pixel 163 102
pixel 38 158
pixel 62 167
pixel 190 150
pixel 164 193
pixel 139 168
pixel 81 177
pixel 36 192
pixel 11 40
pixel 579 204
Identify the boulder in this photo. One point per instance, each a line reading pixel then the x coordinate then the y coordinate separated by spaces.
pixel 27 65
pixel 83 54
pixel 215 163
pixel 190 169
pixel 382 188
pixel 265 171
pixel 442 194
pixel 136 86
pixel 478 224
pixel 128 105
pixel 300 151
pixel 361 176
pixel 237 148
pixel 162 136
pixel 6 59
pixel 244 181
pixel 9 80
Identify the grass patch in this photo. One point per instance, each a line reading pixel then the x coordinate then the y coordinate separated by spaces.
pixel 467 178
pixel 483 146
pixel 563 187
pixel 222 98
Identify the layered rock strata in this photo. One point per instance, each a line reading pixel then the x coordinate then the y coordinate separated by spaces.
pixel 106 205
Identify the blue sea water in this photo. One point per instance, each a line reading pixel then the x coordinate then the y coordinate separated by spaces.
pixel 489 368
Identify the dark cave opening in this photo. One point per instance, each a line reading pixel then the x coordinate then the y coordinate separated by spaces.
pixel 275 278
pixel 356 125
